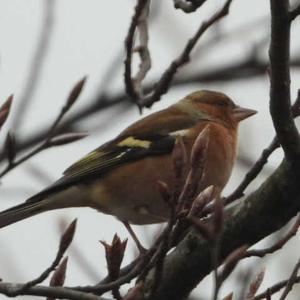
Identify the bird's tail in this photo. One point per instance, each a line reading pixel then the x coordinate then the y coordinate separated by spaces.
pixel 20 212
pixel 40 203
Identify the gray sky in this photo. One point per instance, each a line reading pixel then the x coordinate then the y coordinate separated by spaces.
pixel 87 36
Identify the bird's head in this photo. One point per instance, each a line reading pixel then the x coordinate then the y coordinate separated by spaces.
pixel 216 106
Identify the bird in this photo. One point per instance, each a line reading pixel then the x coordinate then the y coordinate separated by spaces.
pixel 120 177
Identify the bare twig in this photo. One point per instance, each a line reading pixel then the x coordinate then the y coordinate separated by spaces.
pixel 10 147
pixel 232 260
pixel 143 50
pixel 253 172
pixel 141 11
pixel 160 256
pixel 71 99
pixel 163 249
pixel 295 12
pixel 280 107
pixel 64 139
pixel 262 160
pixel 278 245
pixel 79 257
pixel 138 267
pixel 59 275
pixel 229 265
pixel 49 139
pixel 166 78
pixel 164 82
pixel 255 284
pixel 9 289
pixel 65 241
pixel 292 280
pixel 4 110
pixel 274 289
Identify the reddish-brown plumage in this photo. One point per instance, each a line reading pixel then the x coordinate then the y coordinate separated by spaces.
pixel 125 185
pixel 131 193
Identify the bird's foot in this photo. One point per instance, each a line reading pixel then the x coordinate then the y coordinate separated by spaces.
pixel 138 244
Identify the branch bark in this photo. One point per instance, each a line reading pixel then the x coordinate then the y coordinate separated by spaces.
pixel 9 289
pixel 280 102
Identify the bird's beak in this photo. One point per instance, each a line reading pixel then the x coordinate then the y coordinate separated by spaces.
pixel 241 113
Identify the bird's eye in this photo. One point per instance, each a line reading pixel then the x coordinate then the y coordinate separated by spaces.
pixel 221 103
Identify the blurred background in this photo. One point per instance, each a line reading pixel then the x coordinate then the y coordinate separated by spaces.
pixel 46 46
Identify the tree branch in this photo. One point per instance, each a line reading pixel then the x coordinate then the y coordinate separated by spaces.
pixel 262 160
pixel 162 86
pixel 9 289
pixel 280 103
pixel 189 263
pixel 292 280
pixel 133 85
pixel 274 289
pixel 294 13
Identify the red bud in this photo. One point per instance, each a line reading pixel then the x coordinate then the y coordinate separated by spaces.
pixel 74 94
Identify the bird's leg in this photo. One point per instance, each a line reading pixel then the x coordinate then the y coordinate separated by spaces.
pixel 134 237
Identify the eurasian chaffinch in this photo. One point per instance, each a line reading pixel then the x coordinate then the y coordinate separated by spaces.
pixel 120 177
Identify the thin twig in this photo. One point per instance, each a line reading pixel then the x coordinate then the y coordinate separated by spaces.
pixel 253 172
pixel 47 143
pixel 5 110
pixel 9 289
pixel 292 280
pixel 294 13
pixel 79 257
pixel 59 275
pixel 143 50
pixel 274 289
pixel 65 242
pixel 262 160
pixel 166 78
pixel 129 46
pixel 134 269
pixel 278 245
pixel 279 71
pixel 255 285
pixel 163 250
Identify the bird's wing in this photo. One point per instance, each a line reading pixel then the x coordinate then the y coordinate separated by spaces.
pixel 118 152
pixel 107 157
pixel 153 135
